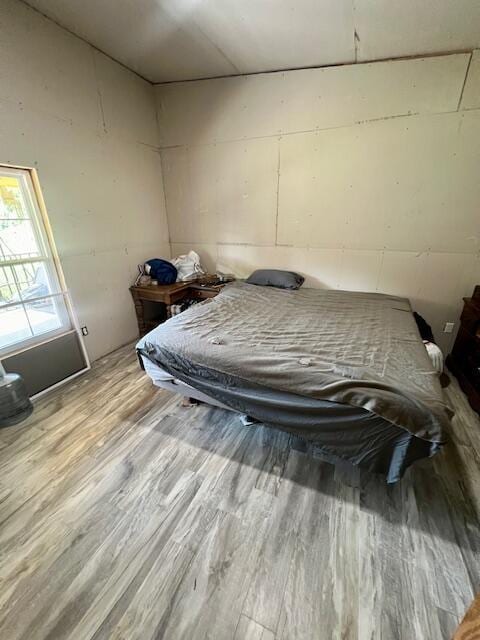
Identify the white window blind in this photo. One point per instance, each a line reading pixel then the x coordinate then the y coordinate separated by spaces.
pixel 32 303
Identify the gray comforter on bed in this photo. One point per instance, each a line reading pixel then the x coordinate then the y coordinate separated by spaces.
pixel 357 349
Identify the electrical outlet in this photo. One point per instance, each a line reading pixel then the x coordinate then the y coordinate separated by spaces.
pixel 84 331
pixel 448 328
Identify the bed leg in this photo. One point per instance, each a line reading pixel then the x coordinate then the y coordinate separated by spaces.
pixel 189 402
pixel 248 420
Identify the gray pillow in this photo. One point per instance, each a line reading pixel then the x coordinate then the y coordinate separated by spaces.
pixel 276 278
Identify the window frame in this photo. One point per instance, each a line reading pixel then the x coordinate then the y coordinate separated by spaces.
pixel 48 256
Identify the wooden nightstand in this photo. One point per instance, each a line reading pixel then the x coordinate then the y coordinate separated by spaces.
pixel 153 302
pixel 464 361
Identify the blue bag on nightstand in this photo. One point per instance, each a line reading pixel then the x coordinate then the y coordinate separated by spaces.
pixel 161 270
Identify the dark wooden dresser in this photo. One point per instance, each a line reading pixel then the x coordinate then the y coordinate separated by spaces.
pixel 464 361
pixel 153 302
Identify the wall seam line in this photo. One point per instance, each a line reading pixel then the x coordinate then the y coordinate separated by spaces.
pixel 464 81
pixel 348 63
pixel 316 130
pixel 99 92
pixel 162 181
pixel 356 39
pixel 383 250
pixel 164 191
pixel 278 193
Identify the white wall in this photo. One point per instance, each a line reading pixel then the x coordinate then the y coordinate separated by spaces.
pixel 89 126
pixel 361 177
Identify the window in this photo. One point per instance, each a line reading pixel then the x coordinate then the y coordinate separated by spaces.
pixel 33 306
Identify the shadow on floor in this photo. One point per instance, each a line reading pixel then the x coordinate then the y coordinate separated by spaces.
pixel 436 496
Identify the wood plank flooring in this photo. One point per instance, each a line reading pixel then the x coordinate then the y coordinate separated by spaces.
pixel 125 515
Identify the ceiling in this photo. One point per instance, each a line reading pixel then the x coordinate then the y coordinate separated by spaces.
pixel 165 40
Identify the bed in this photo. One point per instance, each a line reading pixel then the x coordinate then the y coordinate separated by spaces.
pixel 347 370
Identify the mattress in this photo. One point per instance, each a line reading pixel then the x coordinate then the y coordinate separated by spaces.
pixel 164 380
pixel 345 369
